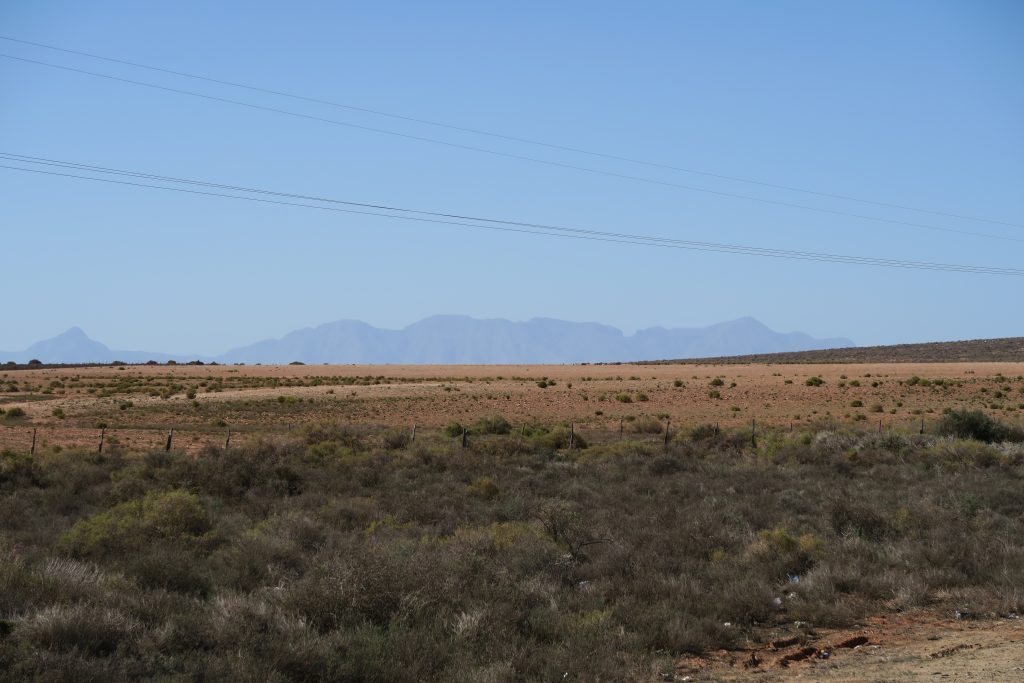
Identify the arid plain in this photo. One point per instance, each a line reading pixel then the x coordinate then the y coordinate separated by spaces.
pixel 138 404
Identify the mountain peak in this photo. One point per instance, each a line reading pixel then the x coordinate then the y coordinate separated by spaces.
pixel 75 333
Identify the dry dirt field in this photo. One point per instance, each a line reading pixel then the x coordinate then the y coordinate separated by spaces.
pixel 139 404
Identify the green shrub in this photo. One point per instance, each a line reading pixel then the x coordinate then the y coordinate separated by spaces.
pixel 169 516
pixel 492 424
pixel 974 424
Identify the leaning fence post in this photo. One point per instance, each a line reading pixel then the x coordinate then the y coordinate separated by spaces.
pixel 103 432
pixel 668 425
pixel 170 436
pixel 33 441
pixel 413 432
pixel 227 441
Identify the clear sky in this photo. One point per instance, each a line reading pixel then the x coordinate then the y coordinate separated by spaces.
pixel 913 103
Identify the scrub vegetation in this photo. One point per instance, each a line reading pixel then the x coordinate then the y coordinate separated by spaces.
pixel 339 553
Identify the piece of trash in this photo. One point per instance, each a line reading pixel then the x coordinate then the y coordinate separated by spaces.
pixel 752 661
pixel 1013 615
pixel 794 578
pixel 963 614
pixel 777 603
pixel 802 624
pixel 727 624
pixel 824 654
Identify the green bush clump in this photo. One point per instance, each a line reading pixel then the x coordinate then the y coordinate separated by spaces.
pixel 453 429
pixel 974 424
pixel 169 516
pixel 492 424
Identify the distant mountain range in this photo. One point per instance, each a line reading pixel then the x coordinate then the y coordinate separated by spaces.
pixel 460 339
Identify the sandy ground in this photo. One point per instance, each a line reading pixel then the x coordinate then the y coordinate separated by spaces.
pixel 921 646
pixel 594 397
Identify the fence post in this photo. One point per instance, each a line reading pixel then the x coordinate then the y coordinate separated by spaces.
pixel 33 441
pixel 170 436
pixel 413 431
pixel 922 424
pixel 620 428
pixel 668 425
pixel 227 441
pixel 716 429
pixel 572 434
pixel 463 437
pixel 753 433
pixel 103 432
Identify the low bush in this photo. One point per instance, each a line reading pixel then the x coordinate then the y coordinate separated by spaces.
pixel 974 424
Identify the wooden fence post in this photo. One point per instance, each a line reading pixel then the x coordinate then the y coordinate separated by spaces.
pixel 33 441
pixel 620 428
pixel 572 434
pixel 668 425
pixel 922 424
pixel 103 433
pixel 413 432
pixel 170 436
pixel 753 433
pixel 463 437
pixel 227 441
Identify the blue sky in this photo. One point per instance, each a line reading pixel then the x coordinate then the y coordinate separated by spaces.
pixel 915 103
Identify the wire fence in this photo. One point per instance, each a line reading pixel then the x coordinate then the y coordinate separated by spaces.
pixel 193 439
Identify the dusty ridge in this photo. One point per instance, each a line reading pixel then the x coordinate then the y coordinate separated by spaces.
pixel 1008 349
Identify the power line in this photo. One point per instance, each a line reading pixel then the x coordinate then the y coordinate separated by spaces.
pixel 509 155
pixel 514 138
pixel 519 227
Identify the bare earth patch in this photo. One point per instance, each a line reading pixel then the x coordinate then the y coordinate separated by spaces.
pixel 920 646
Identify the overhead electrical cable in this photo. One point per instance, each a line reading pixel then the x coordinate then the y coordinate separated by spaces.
pixel 513 138
pixel 528 228
pixel 509 155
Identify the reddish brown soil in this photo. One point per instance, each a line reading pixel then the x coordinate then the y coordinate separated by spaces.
pixel 920 646
pixel 432 396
